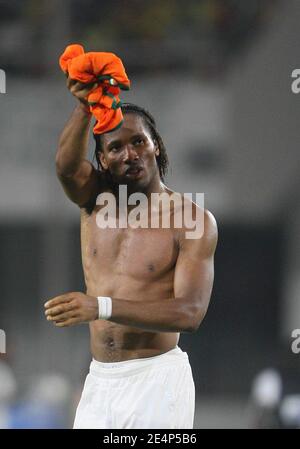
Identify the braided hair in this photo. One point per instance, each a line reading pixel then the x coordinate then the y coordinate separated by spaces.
pixel 161 159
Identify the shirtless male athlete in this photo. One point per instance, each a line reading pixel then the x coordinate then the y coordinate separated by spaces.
pixel 153 284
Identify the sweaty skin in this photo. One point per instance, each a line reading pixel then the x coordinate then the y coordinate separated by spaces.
pixel 159 281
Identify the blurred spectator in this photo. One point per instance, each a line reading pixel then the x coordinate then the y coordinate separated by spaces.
pixel 46 406
pixel 265 399
pixel 8 388
pixel 290 411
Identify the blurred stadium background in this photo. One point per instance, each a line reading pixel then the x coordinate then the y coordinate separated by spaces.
pixel 216 74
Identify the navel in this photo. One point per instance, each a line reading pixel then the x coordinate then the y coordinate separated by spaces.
pixel 110 342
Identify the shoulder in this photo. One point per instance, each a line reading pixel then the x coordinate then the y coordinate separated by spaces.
pixel 200 232
pixel 199 225
pixel 210 233
pixel 184 200
pixel 210 225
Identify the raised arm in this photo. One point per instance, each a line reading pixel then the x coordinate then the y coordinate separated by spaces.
pixel 194 275
pixel 79 178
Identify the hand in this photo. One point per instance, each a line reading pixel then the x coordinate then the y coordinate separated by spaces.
pixel 71 308
pixel 80 90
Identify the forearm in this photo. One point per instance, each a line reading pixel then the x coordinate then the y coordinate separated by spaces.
pixel 73 142
pixel 163 315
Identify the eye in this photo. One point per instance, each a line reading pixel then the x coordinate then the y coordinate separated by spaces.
pixel 138 141
pixel 115 149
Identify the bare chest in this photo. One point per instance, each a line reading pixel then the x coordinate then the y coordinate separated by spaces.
pixel 138 253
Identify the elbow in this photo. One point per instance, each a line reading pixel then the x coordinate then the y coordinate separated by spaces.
pixel 193 320
pixel 187 315
pixel 191 328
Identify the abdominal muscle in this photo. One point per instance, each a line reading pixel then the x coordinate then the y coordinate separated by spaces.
pixel 112 342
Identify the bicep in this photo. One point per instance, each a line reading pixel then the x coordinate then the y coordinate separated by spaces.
pixel 194 278
pixel 82 186
pixel 194 272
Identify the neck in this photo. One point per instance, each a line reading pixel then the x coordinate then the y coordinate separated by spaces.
pixel 155 186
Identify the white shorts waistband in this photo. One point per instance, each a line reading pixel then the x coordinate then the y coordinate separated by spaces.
pixel 131 367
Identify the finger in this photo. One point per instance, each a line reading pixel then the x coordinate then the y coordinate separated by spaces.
pixel 69 322
pixel 58 300
pixel 89 89
pixel 70 82
pixel 62 308
pixel 76 85
pixel 62 316
pixel 83 89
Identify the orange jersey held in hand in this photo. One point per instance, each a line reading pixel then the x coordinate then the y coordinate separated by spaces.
pixel 106 69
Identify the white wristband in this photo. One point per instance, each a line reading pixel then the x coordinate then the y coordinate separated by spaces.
pixel 104 307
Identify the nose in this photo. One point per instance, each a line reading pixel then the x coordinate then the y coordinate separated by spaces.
pixel 130 153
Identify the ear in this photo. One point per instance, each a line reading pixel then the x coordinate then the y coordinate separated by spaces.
pixel 156 148
pixel 103 160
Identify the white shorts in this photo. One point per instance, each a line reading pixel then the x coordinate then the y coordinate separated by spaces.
pixel 148 393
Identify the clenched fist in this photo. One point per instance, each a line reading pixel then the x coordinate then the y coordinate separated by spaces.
pixel 71 308
pixel 80 90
